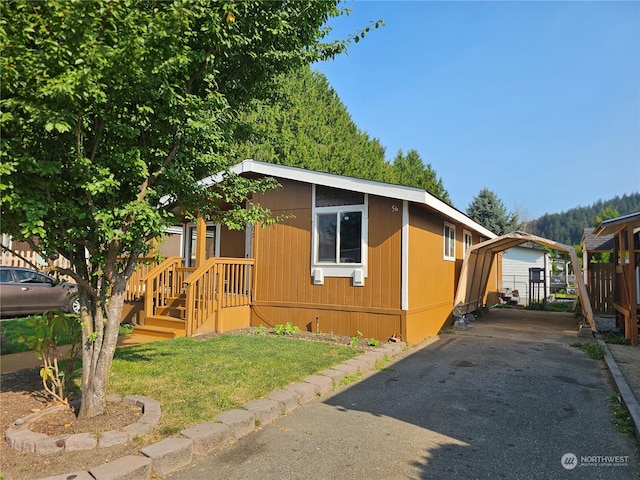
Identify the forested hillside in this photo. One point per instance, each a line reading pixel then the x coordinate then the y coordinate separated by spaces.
pixel 566 227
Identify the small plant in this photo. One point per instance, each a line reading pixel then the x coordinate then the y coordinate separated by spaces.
pixel 259 330
pixel 287 329
pixel 354 340
pixel 373 342
pixel 125 329
pixel 615 339
pixel 622 420
pixel 594 350
pixel 48 329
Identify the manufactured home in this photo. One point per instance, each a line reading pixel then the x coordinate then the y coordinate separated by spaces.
pixel 349 256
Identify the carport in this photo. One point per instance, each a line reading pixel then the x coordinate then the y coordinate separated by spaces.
pixel 479 260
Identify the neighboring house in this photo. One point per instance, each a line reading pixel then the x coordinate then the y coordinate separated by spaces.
pixel 518 276
pixel 626 259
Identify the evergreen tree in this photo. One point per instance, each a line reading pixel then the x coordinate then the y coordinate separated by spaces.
pixel 489 211
pixel 308 126
pixel 411 171
pixel 566 227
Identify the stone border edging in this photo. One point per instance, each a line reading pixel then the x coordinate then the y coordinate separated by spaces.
pixel 173 453
pixel 628 398
pixel 21 438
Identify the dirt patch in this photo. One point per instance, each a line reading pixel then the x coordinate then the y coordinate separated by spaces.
pixel 22 395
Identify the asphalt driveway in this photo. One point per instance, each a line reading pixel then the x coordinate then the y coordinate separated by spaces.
pixel 507 399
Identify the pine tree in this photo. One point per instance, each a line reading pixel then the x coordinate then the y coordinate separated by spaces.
pixel 489 211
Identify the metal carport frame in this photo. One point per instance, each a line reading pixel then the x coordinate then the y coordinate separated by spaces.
pixel 477 264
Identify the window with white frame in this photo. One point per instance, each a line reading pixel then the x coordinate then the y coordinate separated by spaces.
pixel 339 231
pixel 449 241
pixel 467 241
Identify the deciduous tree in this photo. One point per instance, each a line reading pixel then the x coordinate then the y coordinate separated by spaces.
pixel 109 107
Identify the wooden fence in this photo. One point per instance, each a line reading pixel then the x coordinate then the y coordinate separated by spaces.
pixel 30 258
pixel 601 283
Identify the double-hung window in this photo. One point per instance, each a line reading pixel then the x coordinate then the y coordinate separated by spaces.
pixel 339 232
pixel 449 241
pixel 467 242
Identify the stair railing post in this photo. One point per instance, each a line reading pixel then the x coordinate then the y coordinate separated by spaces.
pixel 219 295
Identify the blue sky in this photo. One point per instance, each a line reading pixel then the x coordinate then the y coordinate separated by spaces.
pixel 537 101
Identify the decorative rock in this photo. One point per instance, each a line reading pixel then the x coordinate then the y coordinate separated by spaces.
pixel 265 411
pixel 348 369
pixel 207 437
pixel 306 392
pixel 113 437
pixel 320 383
pixel 49 445
pixel 361 365
pixel 81 441
pixel 240 422
pixel 375 354
pixel 169 455
pixel 137 429
pixel 287 399
pixel 71 476
pixel 131 467
pixel 336 376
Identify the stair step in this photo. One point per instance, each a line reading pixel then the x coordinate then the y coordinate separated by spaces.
pixel 178 312
pixel 165 321
pixel 159 332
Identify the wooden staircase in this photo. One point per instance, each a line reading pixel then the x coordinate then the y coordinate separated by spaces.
pixel 184 301
pixel 168 321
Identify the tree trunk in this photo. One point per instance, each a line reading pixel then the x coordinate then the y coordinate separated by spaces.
pixel 97 355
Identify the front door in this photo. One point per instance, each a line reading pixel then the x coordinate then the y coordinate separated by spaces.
pixel 212 243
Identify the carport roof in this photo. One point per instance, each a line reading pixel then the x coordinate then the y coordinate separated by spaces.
pixel 478 262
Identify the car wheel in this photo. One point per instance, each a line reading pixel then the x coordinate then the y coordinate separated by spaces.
pixel 74 305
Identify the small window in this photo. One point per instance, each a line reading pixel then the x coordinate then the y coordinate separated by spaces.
pixel 467 242
pixel 449 241
pixel 340 231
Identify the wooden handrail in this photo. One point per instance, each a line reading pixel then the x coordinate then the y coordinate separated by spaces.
pixel 135 286
pixel 160 284
pixel 219 283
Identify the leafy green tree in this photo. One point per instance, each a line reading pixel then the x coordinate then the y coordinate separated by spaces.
pixel 605 214
pixel 111 108
pixel 489 211
pixel 411 171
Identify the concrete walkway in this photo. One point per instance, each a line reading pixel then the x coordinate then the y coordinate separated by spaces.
pixel 507 398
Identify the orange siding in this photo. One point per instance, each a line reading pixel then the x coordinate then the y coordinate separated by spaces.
pixel 432 279
pixel 232 243
pixel 284 287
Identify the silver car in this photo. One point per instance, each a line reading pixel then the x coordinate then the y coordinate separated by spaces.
pixel 24 291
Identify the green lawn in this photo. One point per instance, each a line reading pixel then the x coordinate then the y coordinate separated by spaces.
pixel 194 380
